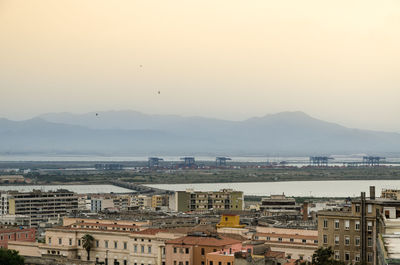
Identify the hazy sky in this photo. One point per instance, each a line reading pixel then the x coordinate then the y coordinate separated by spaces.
pixel 335 60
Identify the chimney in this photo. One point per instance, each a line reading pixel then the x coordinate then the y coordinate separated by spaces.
pixel 305 211
pixel 372 192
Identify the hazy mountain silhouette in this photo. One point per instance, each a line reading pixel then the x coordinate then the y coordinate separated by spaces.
pixel 112 132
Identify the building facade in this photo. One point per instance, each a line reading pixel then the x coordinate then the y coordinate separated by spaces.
pixel 193 248
pixel 352 232
pixel 42 206
pixel 16 234
pixel 226 199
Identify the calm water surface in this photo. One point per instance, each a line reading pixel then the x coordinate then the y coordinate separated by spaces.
pixel 75 188
pixel 343 188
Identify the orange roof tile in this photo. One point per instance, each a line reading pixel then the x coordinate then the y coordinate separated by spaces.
pixel 203 241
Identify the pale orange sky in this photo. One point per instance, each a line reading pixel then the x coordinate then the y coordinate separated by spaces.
pixel 335 60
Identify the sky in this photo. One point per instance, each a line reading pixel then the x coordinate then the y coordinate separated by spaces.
pixel 232 59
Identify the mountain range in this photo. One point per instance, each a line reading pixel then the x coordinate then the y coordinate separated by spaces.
pixel 131 132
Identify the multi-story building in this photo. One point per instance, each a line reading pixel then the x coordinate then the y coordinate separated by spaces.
pixel 393 194
pixel 42 206
pixel 16 234
pixel 141 201
pixel 279 205
pixel 352 231
pixel 123 244
pixel 4 196
pixel 16 220
pixel 158 201
pixel 193 248
pixel 101 202
pixel 299 244
pixel 189 200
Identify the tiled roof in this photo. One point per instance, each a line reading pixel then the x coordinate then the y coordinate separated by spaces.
pixel 203 241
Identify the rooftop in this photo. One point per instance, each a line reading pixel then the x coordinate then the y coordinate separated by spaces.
pixel 217 241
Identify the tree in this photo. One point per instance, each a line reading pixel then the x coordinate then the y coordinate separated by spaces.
pixel 324 256
pixel 10 257
pixel 87 244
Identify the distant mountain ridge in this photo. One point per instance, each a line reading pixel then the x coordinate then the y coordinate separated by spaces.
pixel 131 132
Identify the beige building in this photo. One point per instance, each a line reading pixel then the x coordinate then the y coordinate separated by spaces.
pixel 114 243
pixel 352 231
pixel 141 201
pixel 190 200
pixel 158 201
pixel 42 206
pixel 295 243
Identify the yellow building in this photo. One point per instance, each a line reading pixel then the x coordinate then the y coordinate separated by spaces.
pixel 230 221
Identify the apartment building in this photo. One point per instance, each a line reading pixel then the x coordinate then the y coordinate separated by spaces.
pixel 158 201
pixel 190 200
pixel 42 206
pixel 141 201
pixel 352 231
pixel 113 243
pixel 193 248
pixel 299 244
pixel 103 202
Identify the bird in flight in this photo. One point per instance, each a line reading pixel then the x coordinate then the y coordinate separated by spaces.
pixel 159 92
pixel 97 114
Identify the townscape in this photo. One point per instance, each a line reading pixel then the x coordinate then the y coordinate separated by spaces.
pixel 149 226
pixel 212 132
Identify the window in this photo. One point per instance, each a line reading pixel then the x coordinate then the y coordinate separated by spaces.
pixel 280 239
pixel 336 224
pixel 49 240
pixel 211 263
pixel 174 250
pixel 219 263
pixel 337 255
pixel 325 237
pixel 303 241
pixel 79 256
pixel 187 250
pixel 135 248
pixel 174 262
pixel 358 208
pixel 268 238
pixel 357 240
pixel 187 263
pixel 125 262
pixel 357 224
pixel 70 241
pixel 357 257
pixel 336 240
pixel 115 244
pixel 60 241
pixel 149 249
pixel 202 251
pixel 125 245
pixel 369 226
pixel 369 242
pixel 369 208
pixel 347 240
pixel 291 240
pixel 142 249
pixel 315 241
pixel 347 224
pixel 325 223
pixel 97 243
pixel 106 243
pixel 79 242
pixel 347 256
pixel 369 257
